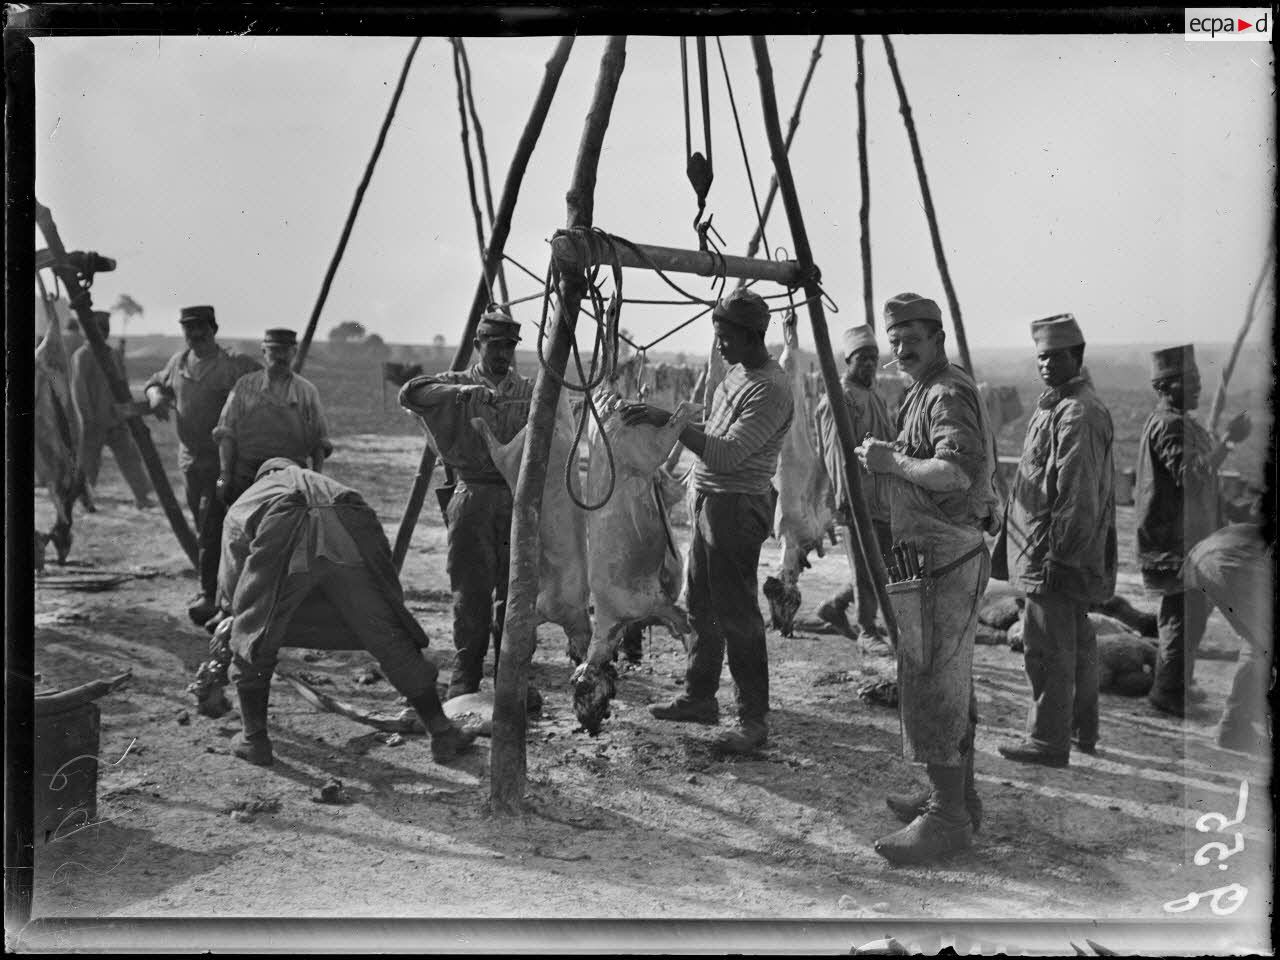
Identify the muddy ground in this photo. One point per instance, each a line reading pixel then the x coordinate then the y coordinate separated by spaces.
pixel 641 822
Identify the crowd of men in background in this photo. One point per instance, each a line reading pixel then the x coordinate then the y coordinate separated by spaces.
pixel 290 557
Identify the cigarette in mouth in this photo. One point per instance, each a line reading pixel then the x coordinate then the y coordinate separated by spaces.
pixel 886 366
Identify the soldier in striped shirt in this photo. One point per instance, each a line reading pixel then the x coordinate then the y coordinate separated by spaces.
pixel 737 449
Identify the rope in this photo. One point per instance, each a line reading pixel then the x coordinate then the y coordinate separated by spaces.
pixel 466 156
pixel 746 162
pixel 484 156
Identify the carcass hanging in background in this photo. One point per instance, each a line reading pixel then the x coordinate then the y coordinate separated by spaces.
pixel 805 501
pixel 635 567
pixel 56 463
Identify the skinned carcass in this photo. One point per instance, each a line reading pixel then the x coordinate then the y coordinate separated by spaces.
pixel 563 589
pixel 56 460
pixel 806 504
pixel 635 568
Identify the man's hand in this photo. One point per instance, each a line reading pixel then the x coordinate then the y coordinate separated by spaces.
pixel 1238 428
pixel 877 456
pixel 475 393
pixel 224 489
pixel 635 414
pixel 159 404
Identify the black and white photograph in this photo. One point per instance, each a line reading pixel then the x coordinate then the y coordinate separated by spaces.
pixel 760 483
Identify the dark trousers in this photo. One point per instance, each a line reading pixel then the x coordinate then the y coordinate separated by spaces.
pixel 1061 653
pixel 1181 622
pixel 1247 701
pixel 863 590
pixel 367 614
pixel 128 458
pixel 724 607
pixel 479 517
pixel 209 511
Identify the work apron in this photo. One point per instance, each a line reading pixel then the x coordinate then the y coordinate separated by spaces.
pixel 270 428
pixel 937 620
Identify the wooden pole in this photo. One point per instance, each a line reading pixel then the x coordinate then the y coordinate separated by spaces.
pixel 1220 398
pixel 864 532
pixel 864 177
pixel 594 249
pixel 493 258
pixel 483 157
pixel 507 760
pixel 305 345
pixel 80 301
pixel 953 304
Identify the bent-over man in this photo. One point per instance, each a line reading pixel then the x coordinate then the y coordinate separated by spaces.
pixel 270 413
pixel 1059 537
pixel 942 471
pixel 737 450
pixel 101 422
pixel 195 384
pixel 305 562
pixel 478 513
pixel 1177 505
pixel 870 419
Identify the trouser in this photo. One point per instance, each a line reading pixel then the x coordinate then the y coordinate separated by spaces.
pixel 94 437
pixel 479 518
pixel 1247 700
pixel 724 607
pixel 1181 622
pixel 209 511
pixel 366 611
pixel 1061 655
pixel 863 590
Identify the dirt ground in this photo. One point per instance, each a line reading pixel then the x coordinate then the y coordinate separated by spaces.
pixel 641 822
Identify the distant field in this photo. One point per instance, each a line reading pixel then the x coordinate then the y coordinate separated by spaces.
pixel 357 400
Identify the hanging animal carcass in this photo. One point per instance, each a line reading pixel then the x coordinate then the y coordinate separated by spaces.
pixel 805 499
pixel 56 462
pixel 635 567
pixel 563 591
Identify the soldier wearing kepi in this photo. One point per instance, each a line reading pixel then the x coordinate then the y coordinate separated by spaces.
pixel 305 563
pixel 270 413
pixel 942 486
pixel 1177 506
pixel 737 451
pixel 1059 538
pixel 479 511
pixel 195 383
pixel 101 422
pixel 870 419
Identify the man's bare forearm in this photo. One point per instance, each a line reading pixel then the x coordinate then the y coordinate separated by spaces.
pixel 938 476
pixel 226 455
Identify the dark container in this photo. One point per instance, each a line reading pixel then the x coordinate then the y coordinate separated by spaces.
pixel 66 770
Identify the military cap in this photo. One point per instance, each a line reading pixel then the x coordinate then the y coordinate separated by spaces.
pixel 202 314
pixel 496 324
pixel 906 307
pixel 858 338
pixel 1172 361
pixel 743 308
pixel 281 337
pixel 1056 333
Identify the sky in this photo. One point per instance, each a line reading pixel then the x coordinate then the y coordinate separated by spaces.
pixel 1126 179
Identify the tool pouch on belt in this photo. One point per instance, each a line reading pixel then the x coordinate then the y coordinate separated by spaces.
pixel 913 602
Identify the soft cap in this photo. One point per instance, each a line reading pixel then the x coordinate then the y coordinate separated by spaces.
pixel 1056 333
pixel 906 307
pixel 858 338
pixel 743 308
pixel 201 314
pixel 496 324
pixel 281 337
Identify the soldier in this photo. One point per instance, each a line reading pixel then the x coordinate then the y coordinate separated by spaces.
pixel 304 557
pixel 1177 506
pixel 1059 536
pixel 870 418
pixel 942 486
pixel 479 510
pixel 195 383
pixel 270 413
pixel 737 450
pixel 101 423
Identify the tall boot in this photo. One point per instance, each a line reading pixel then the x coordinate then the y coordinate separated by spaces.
pixel 942 829
pixel 835 612
pixel 252 743
pixel 448 740
pixel 906 807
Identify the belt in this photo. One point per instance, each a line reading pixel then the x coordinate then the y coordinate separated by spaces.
pixel 958 561
pixel 483 481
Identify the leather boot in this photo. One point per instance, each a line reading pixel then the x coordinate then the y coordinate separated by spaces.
pixel 834 612
pixel 906 807
pixel 448 740
pixel 944 827
pixel 252 743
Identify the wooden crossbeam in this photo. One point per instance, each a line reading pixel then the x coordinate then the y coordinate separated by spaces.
pixel 576 251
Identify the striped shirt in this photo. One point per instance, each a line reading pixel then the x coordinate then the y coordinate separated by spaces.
pixel 750 416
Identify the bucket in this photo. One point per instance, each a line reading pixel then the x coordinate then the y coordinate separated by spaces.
pixel 65 784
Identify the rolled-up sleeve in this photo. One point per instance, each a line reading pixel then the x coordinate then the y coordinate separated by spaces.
pixel 163 378
pixel 229 420
pixel 766 409
pixel 955 431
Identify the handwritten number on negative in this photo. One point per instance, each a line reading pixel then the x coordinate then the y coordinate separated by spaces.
pixel 1233 892
pixel 1204 824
